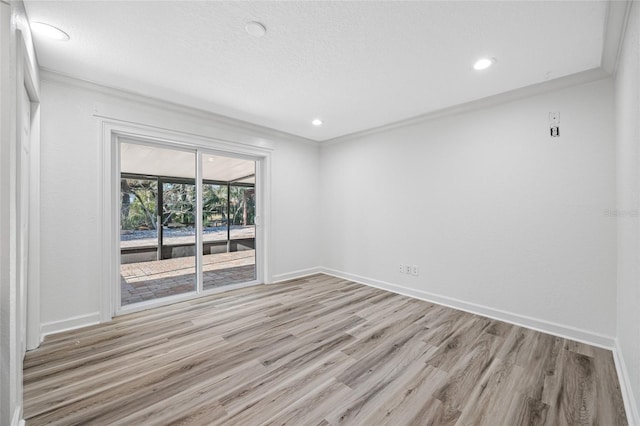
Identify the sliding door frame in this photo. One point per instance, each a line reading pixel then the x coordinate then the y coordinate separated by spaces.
pixel 114 132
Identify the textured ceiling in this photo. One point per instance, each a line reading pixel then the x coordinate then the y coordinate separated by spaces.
pixel 355 65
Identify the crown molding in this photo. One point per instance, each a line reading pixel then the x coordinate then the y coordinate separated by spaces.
pixel 616 22
pixel 577 79
pixel 213 118
pixel 614 30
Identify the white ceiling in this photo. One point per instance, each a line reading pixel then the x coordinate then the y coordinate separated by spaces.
pixel 356 65
pixel 156 161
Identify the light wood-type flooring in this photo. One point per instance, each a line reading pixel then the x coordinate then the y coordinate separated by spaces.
pixel 317 351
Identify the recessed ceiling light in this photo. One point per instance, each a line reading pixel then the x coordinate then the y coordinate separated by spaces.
pixel 483 64
pixel 255 29
pixel 49 31
pixel 317 122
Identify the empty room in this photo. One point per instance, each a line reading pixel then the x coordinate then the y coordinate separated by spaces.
pixel 319 212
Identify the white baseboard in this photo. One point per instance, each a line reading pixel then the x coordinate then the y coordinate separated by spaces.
pixel 295 274
pixel 70 323
pixel 625 386
pixel 544 326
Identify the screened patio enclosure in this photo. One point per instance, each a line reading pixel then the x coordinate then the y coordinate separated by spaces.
pixel 159 230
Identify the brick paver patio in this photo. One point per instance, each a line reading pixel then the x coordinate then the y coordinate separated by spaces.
pixel 151 280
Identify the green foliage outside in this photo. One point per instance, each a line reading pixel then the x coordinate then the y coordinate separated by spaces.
pixel 138 205
pixel 243 205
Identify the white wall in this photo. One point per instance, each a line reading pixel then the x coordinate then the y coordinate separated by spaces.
pixel 7 95
pixel 627 89
pixel 70 200
pixel 500 218
pixel 295 220
pixel 12 20
pixel 7 285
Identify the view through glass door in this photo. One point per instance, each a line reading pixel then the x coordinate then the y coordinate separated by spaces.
pixel 159 222
pixel 228 212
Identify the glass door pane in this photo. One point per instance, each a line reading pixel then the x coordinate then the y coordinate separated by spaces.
pixel 243 212
pixel 178 237
pixel 228 192
pixel 157 223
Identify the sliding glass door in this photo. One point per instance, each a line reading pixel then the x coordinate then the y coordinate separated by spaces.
pixel 159 239
pixel 228 213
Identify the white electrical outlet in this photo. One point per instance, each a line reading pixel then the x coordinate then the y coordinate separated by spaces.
pixel 407 269
pixel 401 268
pixel 554 118
pixel 415 270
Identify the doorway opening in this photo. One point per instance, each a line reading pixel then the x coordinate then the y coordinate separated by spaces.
pixel 187 223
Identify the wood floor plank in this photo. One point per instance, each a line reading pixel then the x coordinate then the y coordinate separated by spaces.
pixel 281 395
pixel 84 380
pixel 314 345
pixel 609 410
pixel 402 407
pixel 465 375
pixel 371 341
pixel 492 398
pixel 316 351
pixel 312 406
pixel 377 386
pixel 187 405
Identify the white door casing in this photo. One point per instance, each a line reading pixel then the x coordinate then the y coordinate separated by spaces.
pixel 113 130
pixel 23 203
